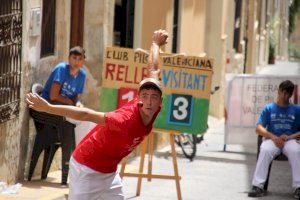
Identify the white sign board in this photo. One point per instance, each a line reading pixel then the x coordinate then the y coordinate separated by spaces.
pixel 246 97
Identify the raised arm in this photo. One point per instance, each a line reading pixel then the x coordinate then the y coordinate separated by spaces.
pixel 37 103
pixel 159 39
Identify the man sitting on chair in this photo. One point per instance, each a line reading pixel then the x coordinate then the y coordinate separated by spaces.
pixel 278 124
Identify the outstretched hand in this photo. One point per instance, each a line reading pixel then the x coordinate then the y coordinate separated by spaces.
pixel 160 37
pixel 36 102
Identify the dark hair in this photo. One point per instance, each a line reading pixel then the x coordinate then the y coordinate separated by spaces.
pixel 78 51
pixel 287 86
pixel 148 87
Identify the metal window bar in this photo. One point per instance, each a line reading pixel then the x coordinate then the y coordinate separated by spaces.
pixel 10 58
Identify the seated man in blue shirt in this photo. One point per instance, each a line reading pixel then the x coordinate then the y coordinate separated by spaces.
pixel 278 124
pixel 67 80
pixel 64 85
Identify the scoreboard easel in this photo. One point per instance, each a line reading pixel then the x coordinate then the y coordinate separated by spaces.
pixel 148 144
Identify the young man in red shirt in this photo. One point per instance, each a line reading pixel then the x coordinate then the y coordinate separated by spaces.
pixel 93 166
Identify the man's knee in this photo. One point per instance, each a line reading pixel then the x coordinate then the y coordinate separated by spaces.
pixel 293 151
pixel 292 147
pixel 269 150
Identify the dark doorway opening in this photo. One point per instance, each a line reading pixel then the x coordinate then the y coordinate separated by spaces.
pixel 124 23
pixel 48 28
pixel 175 26
pixel 77 22
pixel 237 25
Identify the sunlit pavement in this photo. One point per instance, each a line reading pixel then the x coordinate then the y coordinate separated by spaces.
pixel 213 174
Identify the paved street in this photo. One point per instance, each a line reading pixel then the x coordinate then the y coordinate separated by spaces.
pixel 213 174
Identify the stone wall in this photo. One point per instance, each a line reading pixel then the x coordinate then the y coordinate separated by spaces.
pixel 98 34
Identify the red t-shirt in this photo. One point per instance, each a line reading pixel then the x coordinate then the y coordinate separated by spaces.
pixel 105 146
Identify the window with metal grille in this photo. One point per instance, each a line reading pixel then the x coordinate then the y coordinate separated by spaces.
pixel 48 28
pixel 10 58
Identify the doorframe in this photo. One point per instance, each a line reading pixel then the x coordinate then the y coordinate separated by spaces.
pixel 77 23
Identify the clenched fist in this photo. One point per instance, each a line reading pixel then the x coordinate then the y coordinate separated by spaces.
pixel 160 37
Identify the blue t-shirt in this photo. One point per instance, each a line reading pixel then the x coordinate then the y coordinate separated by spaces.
pixel 298 116
pixel 280 120
pixel 70 85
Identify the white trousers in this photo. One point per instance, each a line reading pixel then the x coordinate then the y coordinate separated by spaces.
pixel 268 151
pixel 88 184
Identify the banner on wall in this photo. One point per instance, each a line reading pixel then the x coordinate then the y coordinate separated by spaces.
pixel 246 96
pixel 186 82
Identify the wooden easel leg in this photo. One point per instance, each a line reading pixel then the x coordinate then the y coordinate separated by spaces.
pixel 143 152
pixel 177 178
pixel 123 165
pixel 150 155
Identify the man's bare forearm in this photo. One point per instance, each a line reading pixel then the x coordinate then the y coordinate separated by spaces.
pixel 262 131
pixel 153 62
pixel 37 103
pixel 154 56
pixel 62 99
pixel 55 95
pixel 159 38
pixel 78 113
pixel 295 135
